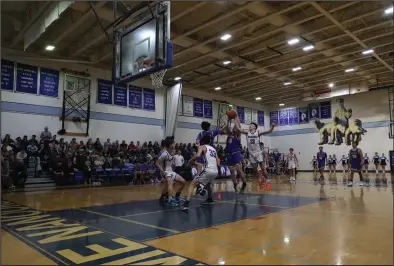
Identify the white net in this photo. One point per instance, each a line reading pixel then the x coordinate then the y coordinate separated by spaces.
pixel 157 78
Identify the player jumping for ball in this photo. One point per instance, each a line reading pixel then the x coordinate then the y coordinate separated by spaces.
pixel 255 152
pixel 233 151
pixel 205 177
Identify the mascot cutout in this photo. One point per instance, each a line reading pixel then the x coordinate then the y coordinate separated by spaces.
pixel 340 128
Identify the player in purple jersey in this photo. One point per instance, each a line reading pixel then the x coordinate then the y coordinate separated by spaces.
pixel 321 161
pixel 205 126
pixel 356 163
pixel 233 153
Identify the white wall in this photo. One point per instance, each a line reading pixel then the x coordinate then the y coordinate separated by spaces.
pixel 371 108
pixel 31 116
pixel 17 123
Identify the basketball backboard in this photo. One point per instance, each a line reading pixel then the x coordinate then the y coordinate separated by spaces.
pixel 144 48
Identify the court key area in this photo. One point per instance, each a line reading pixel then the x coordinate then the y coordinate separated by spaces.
pixel 291 224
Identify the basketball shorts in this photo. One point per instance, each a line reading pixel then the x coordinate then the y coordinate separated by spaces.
pixel 233 159
pixel 355 167
pixel 170 174
pixel 321 165
pixel 207 176
pixel 292 165
pixel 255 157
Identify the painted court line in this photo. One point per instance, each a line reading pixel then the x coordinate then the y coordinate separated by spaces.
pixel 131 221
pixel 31 244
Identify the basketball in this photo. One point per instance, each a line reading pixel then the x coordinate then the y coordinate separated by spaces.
pixel 231 113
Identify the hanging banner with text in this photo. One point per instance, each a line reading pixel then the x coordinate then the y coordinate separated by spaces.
pixel 187 106
pixel 260 118
pixel 135 97
pixel 120 96
pixel 314 112
pixel 254 116
pixel 7 75
pixel 248 115
pixel 293 116
pixel 208 109
pixel 49 82
pixel 241 114
pixel 325 110
pixel 284 117
pixel 274 118
pixel 303 115
pixel 149 100
pixel 104 91
pixel 26 78
pixel 198 109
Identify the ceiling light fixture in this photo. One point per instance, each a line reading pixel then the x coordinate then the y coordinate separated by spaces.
pixel 293 41
pixel 309 47
pixel 370 51
pixel 258 98
pixel 331 85
pixel 297 68
pixel 177 78
pixel 349 70
pixel 287 83
pixel 389 10
pixel 218 88
pixel 225 37
pixel 281 104
pixel 50 48
pixel 226 62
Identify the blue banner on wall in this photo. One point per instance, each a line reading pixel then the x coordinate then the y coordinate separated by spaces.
pixel 149 100
pixel 7 75
pixel 104 91
pixel 208 109
pixel 26 78
pixel 325 110
pixel 260 118
pixel 49 82
pixel 314 112
pixel 303 115
pixel 284 117
pixel 293 116
pixel 120 96
pixel 198 109
pixel 135 97
pixel 274 118
pixel 241 114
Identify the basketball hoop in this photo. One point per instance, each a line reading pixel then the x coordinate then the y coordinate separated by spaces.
pixel 157 78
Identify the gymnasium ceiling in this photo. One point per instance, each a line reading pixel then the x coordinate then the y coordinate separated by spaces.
pixel 262 61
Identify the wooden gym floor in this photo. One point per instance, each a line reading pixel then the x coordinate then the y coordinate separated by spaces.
pixel 290 224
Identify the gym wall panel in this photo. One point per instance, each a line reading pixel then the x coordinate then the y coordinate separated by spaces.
pixel 371 108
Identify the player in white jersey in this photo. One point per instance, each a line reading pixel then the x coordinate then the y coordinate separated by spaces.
pixel 256 157
pixel 204 179
pixel 292 162
pixel 164 163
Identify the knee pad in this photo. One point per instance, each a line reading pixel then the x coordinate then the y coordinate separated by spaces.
pixel 201 189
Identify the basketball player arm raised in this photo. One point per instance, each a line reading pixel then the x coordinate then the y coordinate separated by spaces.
pixel 268 131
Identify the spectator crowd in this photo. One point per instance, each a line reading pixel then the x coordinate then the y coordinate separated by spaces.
pixel 61 159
